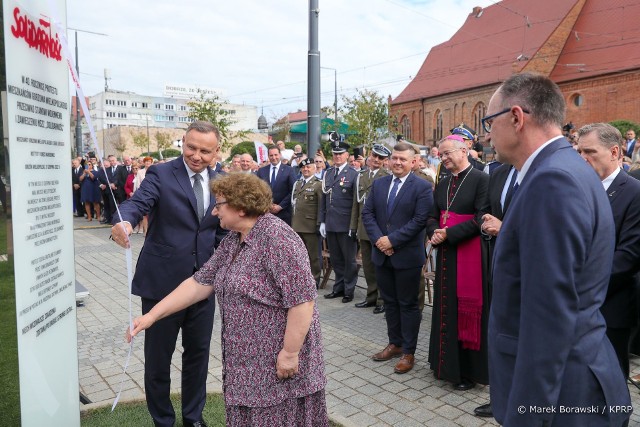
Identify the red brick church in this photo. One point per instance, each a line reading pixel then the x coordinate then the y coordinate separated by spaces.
pixel 591 48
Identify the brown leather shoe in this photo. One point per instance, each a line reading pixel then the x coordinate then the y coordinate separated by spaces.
pixel 405 364
pixel 388 353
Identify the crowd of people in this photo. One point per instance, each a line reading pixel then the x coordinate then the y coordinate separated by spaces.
pixel 535 289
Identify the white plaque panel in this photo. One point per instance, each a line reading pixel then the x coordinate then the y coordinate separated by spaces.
pixel 39 159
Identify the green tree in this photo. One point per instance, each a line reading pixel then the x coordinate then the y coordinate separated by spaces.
pixel 212 110
pixel 624 125
pixel 280 129
pixel 243 147
pixel 366 113
pixel 140 140
pixel 120 146
pixel 163 139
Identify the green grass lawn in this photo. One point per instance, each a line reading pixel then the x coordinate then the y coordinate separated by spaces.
pixel 135 414
pixel 9 395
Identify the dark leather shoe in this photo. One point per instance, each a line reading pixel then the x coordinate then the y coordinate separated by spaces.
pixel 379 309
pixel 196 424
pixel 484 411
pixel 346 299
pixel 365 304
pixel 464 385
pixel 334 295
pixel 388 353
pixel 405 364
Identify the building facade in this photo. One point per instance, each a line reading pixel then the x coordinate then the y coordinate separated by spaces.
pixel 586 46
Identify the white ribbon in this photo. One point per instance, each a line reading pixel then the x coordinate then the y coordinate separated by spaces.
pixel 62 34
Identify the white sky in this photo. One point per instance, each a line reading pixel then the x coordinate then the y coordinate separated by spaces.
pixel 255 51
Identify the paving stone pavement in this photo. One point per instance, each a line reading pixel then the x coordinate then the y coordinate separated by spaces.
pixel 359 393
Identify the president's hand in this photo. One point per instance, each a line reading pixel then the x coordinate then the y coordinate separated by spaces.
pixel 120 233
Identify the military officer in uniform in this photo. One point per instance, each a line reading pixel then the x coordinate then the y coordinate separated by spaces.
pixel 305 199
pixel 365 180
pixel 339 187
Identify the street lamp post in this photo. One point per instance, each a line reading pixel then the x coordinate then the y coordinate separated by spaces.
pixel 335 96
pixel 148 139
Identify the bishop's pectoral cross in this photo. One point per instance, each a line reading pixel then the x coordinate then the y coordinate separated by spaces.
pixel 445 216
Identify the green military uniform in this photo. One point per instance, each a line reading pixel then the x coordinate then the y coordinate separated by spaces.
pixel 363 186
pixel 305 199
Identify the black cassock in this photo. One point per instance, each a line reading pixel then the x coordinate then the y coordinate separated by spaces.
pixel 447 357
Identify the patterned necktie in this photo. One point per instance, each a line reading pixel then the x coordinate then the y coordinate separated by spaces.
pixel 197 189
pixel 392 196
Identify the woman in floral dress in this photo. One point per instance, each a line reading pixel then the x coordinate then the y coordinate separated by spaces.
pixel 273 368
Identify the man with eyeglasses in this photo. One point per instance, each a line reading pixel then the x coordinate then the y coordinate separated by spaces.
pixel 552 261
pixel 363 186
pixel 458 346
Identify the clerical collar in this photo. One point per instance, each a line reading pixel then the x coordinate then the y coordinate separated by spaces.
pixel 463 171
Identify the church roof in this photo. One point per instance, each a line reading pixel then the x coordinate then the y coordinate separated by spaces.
pixel 502 39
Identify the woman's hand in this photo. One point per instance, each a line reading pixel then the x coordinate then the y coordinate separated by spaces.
pixel 286 365
pixel 139 324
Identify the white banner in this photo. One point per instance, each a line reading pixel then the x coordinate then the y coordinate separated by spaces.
pixel 38 111
pixel 262 154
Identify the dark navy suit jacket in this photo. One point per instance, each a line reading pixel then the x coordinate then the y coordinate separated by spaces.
pixel 551 267
pixel 620 308
pixel 285 179
pixel 405 227
pixel 176 241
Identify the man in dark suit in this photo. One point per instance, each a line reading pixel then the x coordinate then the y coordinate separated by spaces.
pixel 630 143
pixel 280 178
pixel 547 338
pixel 181 238
pixel 395 215
pixel 76 172
pixel 500 193
pixel 339 188
pixel 600 145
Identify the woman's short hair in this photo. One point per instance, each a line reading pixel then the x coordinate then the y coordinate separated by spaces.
pixel 243 192
pixel 148 159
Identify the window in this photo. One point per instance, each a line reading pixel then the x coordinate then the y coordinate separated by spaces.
pixel 158 106
pixel 111 114
pixel 122 103
pixel 184 120
pixel 577 100
pixel 159 118
pixel 110 102
pixel 171 118
pixel 122 115
pixel 145 105
pixel 405 127
pixel 169 106
pixel 182 107
pixel 92 106
pixel 111 125
pixel 437 128
pixel 134 104
pixel 479 112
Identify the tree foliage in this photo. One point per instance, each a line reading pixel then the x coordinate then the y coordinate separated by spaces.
pixel 243 147
pixel 140 140
pixel 211 109
pixel 280 129
pixel 163 139
pixel 367 114
pixel 624 125
pixel 120 146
